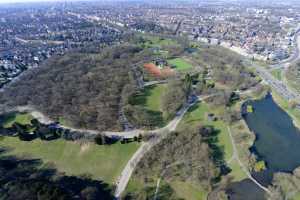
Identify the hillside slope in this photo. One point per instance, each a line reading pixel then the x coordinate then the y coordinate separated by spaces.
pixel 83 90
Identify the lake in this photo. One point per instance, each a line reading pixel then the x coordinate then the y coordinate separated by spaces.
pixel 277 139
pixel 277 143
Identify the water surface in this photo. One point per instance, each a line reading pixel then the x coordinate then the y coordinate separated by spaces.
pixel 277 139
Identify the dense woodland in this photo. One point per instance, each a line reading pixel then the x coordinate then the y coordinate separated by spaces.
pixel 187 155
pixel 225 67
pixel 24 179
pixel 82 89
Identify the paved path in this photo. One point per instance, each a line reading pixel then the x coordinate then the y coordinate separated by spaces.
pixel 129 168
pixel 158 134
pixel 46 120
pixel 171 126
pixel 244 168
pixel 154 82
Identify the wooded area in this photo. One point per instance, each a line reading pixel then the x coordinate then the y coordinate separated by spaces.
pixel 83 89
pixel 186 155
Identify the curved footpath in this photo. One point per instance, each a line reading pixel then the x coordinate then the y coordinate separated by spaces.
pixel 244 168
pixel 159 134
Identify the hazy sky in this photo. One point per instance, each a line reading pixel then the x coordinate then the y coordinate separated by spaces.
pixel 17 1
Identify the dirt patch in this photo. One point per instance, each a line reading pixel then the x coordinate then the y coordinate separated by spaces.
pixel 84 147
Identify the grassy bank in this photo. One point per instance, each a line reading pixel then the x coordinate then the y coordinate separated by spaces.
pixel 101 162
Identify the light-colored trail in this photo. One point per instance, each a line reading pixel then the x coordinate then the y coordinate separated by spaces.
pixel 244 168
pixel 158 135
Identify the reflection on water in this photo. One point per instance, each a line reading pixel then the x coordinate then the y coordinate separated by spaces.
pixel 245 190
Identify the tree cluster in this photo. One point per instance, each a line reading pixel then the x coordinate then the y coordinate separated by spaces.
pixel 185 155
pixel 226 68
pixel 83 89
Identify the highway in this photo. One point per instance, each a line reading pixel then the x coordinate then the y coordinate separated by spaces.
pixel 280 87
pixel 277 85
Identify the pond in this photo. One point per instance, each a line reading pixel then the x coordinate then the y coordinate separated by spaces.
pixel 277 139
pixel 245 190
pixel 277 143
pixel 191 50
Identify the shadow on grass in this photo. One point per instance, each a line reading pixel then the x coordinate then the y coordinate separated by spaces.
pixel 156 118
pixel 27 179
pixel 210 136
pixel 140 98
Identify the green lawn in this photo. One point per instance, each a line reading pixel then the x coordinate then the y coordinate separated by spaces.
pixel 188 191
pixel 180 64
pixel 297 196
pixel 197 116
pixel 183 190
pixel 154 41
pixel 150 97
pixel 153 101
pixel 21 118
pixel 102 162
pixel 277 74
pixel 237 173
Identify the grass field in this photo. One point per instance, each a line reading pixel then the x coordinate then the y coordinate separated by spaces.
pixel 188 191
pixel 183 190
pixel 197 116
pixel 180 64
pixel 101 162
pixel 21 118
pixel 153 101
pixel 154 41
pixel 237 173
pixel 150 97
pixel 296 197
pixel 277 74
